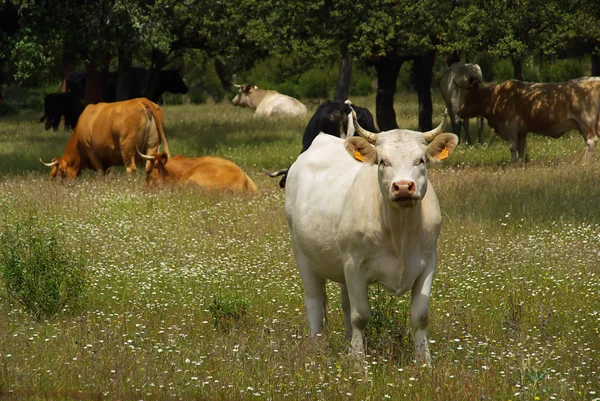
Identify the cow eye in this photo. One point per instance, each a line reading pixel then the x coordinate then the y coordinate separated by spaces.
pixel 384 162
pixel 420 161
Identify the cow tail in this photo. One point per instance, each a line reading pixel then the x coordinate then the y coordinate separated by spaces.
pixel 325 303
pixel 251 185
pixel 159 126
pixel 43 118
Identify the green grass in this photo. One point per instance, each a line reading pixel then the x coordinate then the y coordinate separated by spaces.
pixel 514 309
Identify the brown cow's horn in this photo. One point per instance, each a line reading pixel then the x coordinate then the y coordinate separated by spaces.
pixel 368 135
pixel 51 164
pixel 429 135
pixel 147 157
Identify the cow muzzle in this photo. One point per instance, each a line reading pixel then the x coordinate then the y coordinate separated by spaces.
pixel 404 193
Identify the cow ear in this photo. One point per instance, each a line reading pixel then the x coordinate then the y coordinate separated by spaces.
pixel 360 149
pixel 441 147
pixel 474 83
pixel 162 158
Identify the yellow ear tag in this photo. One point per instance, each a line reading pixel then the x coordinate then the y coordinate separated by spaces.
pixel 444 153
pixel 358 156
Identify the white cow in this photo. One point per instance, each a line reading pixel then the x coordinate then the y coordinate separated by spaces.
pixel 454 84
pixel 267 103
pixel 361 214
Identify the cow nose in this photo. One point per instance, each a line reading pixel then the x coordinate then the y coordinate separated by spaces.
pixel 403 189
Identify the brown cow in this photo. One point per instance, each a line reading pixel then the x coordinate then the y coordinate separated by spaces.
pixel 210 172
pixel 514 108
pixel 108 134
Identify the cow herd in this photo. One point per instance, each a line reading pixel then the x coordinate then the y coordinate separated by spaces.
pixel 358 203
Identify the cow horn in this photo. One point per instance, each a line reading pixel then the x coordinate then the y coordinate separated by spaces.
pixel 429 135
pixel 277 173
pixel 144 156
pixel 236 85
pixel 51 164
pixel 368 135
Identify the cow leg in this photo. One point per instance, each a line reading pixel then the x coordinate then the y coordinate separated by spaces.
pixel 419 311
pixel 360 311
pixel 95 162
pixel 314 292
pixel 346 310
pixel 522 138
pixel 465 124
pixel 55 123
pixel 129 161
pixel 479 127
pixel 590 140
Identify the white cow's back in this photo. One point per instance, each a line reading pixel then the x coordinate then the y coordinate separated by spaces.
pixel 277 105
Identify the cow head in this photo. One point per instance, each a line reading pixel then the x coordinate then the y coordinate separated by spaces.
pixel 401 156
pixel 244 96
pixel 155 167
pixel 60 169
pixel 472 106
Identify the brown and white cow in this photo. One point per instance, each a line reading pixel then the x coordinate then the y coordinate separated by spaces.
pixel 268 103
pixel 360 214
pixel 209 172
pixel 108 134
pixel 514 108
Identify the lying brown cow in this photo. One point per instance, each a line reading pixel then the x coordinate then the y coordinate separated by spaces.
pixel 108 134
pixel 210 172
pixel 514 108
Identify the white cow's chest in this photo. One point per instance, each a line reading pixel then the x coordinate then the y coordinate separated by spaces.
pixel 397 273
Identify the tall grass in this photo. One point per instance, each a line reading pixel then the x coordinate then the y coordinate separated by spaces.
pixel 514 309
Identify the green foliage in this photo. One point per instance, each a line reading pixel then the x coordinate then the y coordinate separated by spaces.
pixel 561 70
pixel 38 272
pixel 389 323
pixel 316 83
pixel 227 310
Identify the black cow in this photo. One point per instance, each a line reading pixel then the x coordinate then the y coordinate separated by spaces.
pixel 59 104
pixel 168 81
pixel 331 117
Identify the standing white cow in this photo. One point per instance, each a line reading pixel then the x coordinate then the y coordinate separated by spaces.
pixel 267 103
pixel 454 84
pixel 361 214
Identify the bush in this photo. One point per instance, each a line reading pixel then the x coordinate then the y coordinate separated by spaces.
pixel 503 70
pixel 316 83
pixel 227 309
pixel 38 272
pixel 562 70
pixel 361 85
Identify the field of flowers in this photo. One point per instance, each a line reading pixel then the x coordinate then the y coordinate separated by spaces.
pixel 194 296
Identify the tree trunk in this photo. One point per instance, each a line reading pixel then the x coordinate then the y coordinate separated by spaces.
pixel 387 73
pixel 517 68
pixel 67 65
pixel 1 82
pixel 93 85
pixel 159 60
pixel 595 65
pixel 423 72
pixel 342 90
pixel 454 58
pixel 124 75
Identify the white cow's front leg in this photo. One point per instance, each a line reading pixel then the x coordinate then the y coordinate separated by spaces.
pixel 346 310
pixel 419 311
pixel 360 311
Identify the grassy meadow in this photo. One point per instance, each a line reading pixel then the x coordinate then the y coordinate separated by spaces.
pixel 195 296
